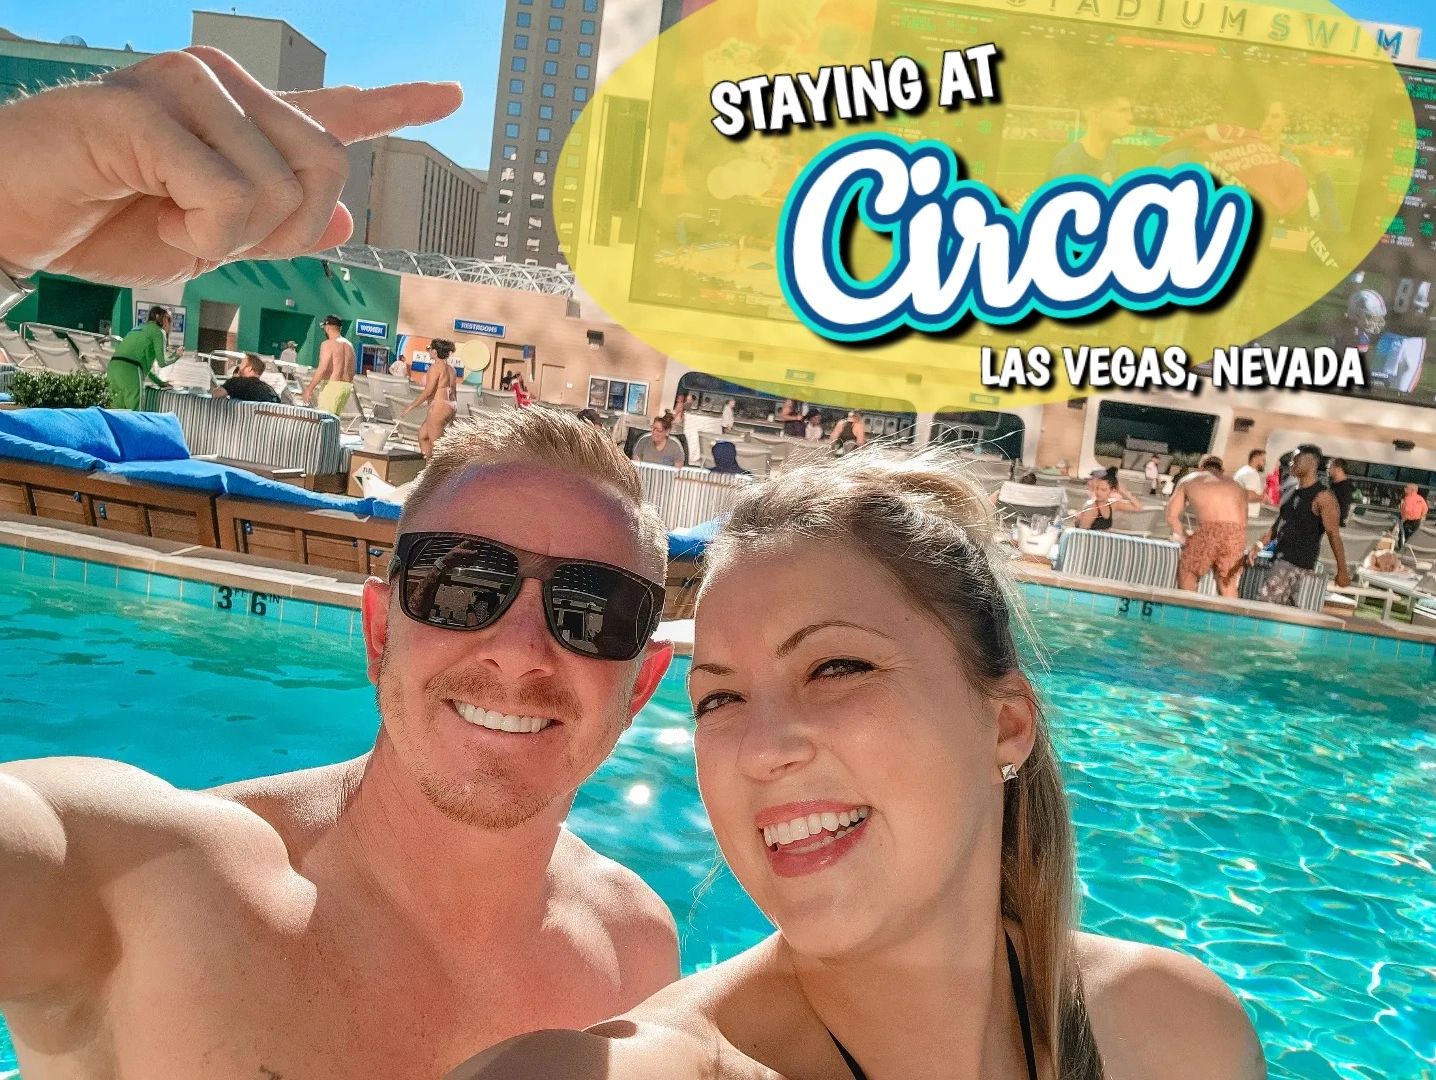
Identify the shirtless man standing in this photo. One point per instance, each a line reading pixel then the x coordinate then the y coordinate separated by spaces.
pixel 334 374
pixel 389 916
pixel 1219 541
pixel 440 394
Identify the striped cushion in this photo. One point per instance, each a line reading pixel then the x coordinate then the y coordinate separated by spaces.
pixel 1134 560
pixel 686 497
pixel 280 436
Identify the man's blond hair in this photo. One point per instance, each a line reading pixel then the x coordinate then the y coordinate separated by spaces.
pixel 540 436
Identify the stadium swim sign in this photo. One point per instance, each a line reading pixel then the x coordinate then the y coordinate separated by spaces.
pixel 885 203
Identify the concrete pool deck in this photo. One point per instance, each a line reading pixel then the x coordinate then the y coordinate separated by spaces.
pixel 342 589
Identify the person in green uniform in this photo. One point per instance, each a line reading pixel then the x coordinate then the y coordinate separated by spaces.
pixel 134 359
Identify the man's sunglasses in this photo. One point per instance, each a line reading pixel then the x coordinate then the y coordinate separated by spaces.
pixel 455 581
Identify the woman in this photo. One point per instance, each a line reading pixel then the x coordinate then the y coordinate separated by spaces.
pixel 849 434
pixel 725 459
pixel 725 422
pixel 522 397
pixel 1107 497
pixel 881 781
pixel 791 419
pixel 440 394
pixel 813 426
pixel 134 358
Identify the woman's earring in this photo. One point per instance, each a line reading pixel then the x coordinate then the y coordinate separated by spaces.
pixel 1009 772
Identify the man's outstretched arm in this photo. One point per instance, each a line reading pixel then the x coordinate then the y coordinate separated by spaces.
pixel 161 171
pixel 51 919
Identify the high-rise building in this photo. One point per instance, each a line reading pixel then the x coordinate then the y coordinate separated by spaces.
pixel 546 75
pixel 405 194
pixel 271 50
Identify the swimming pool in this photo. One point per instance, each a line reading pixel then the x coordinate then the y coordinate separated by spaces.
pixel 1265 809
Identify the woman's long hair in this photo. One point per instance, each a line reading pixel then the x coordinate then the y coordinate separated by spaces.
pixel 931 529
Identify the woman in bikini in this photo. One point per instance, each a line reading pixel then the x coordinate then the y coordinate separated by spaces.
pixel 881 781
pixel 440 394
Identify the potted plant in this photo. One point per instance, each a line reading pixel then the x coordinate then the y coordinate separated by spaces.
pixel 59 390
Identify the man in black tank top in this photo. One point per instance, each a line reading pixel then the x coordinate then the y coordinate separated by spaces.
pixel 1307 514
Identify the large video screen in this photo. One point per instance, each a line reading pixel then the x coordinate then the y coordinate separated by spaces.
pixel 1384 307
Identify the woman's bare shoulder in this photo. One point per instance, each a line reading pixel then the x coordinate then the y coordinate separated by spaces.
pixel 1162 1014
pixel 677 1034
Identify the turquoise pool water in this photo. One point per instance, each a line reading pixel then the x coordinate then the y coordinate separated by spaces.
pixel 1268 811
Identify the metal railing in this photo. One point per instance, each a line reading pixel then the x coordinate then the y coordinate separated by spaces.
pixel 504 275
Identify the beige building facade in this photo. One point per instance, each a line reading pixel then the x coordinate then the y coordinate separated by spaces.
pixel 405 194
pixel 271 50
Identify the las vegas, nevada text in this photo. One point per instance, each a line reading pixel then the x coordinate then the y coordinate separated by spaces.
pixel 1247 367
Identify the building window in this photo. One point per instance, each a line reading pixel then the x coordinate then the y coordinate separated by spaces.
pixel 521 41
pixel 545 112
pixel 582 71
pixel 550 67
pixel 532 243
pixel 501 239
pixel 587 26
pixel 555 22
pixel 511 153
pixel 574 115
pixel 552 45
pixel 506 195
pixel 590 6
pixel 540 177
pixel 502 218
pixel 515 108
pixel 511 131
pixel 537 200
pixel 585 49
pixel 535 222
pixel 545 134
pixel 548 90
pixel 540 157
pixel 523 19
pixel 516 86
pixel 558 5
pixel 501 258
pixel 580 93
pixel 507 174
pixel 520 63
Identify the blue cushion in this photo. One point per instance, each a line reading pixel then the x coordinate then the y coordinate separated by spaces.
pixel 385 511
pixel 246 485
pixel 82 430
pixel 19 449
pixel 690 543
pixel 206 476
pixel 144 436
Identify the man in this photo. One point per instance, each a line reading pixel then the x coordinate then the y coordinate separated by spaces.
pixel 389 916
pixel 656 448
pixel 1108 117
pixel 134 358
pixel 1341 486
pixel 1305 515
pixel 1152 471
pixel 247 383
pixel 1218 543
pixel 440 395
pixel 289 354
pixel 1252 478
pixel 182 162
pixel 1414 509
pixel 334 374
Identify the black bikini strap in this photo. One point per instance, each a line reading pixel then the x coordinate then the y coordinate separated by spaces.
pixel 1019 995
pixel 857 1069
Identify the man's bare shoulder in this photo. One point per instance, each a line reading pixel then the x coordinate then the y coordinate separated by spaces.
pixel 1161 1014
pixel 299 805
pixel 634 916
pixel 115 812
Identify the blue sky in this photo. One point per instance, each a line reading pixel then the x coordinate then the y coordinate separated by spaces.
pixel 369 42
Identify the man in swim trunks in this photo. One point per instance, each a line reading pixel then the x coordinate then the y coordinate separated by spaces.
pixel 385 917
pixel 1218 543
pixel 334 374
